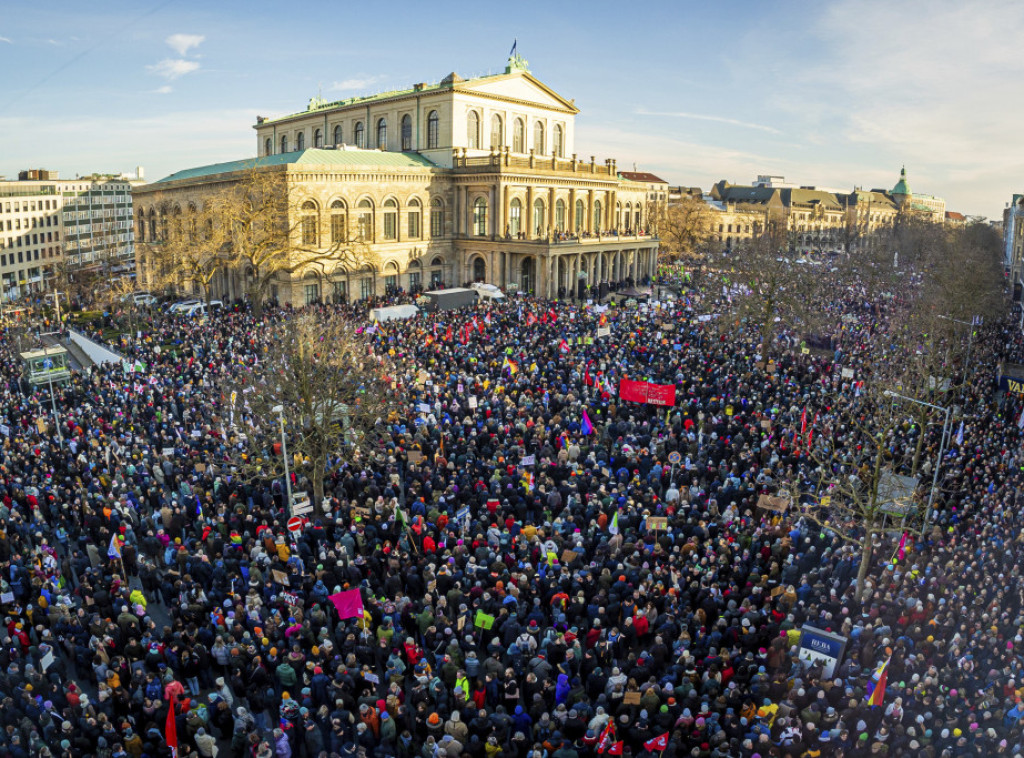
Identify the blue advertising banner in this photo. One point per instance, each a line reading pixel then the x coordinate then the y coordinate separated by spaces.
pixel 820 646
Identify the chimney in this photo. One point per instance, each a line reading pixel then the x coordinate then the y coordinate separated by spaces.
pixel 140 173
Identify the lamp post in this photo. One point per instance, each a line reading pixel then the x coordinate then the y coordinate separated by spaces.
pixel 279 410
pixel 942 448
pixel 975 321
pixel 48 365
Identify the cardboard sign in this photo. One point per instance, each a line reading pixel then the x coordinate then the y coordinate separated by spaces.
pixel 847 373
pixel 631 698
pixel 280 577
pixel 568 556
pixel 774 504
pixel 657 523
pixel 414 456
pixel 766 424
pixel 47 660
pixel 472 402
pixel 604 331
pixel 5 430
pixel 7 597
pixel 529 460
pixel 483 620
pixel 200 468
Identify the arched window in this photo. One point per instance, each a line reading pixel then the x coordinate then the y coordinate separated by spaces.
pixel 309 223
pixel 268 146
pixel 390 277
pixel 284 143
pixel 300 141
pixel 559 215
pixel 597 216
pixel 338 223
pixel 337 135
pixel 436 271
pixel 480 217
pixel 436 218
pixel 473 130
pixel 365 230
pixel 497 134
pixel 415 216
pixel 382 134
pixel 479 269
pixel 515 217
pixel 518 136
pixel 581 216
pixel 141 233
pixel 538 217
pixel 360 142
pixel 638 217
pixel 538 137
pixel 433 130
pixel 318 139
pixel 390 219
pixel 415 275
pixel 406 132
pixel 558 141
pixel 152 226
pixel 629 213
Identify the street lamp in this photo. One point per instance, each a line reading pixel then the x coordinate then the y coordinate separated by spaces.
pixel 975 321
pixel 48 365
pixel 279 410
pixel 942 447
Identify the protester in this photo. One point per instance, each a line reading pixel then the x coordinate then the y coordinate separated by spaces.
pixel 511 598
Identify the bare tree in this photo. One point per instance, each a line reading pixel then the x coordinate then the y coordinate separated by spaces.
pixel 330 392
pixel 847 483
pixel 777 291
pixel 196 247
pixel 683 226
pixel 274 233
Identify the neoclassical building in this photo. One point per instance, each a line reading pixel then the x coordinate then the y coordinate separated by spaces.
pixel 463 180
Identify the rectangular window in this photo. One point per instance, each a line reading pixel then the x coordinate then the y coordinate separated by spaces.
pixel 414 224
pixel 312 292
pixel 309 230
pixel 365 288
pixel 340 291
pixel 415 280
pixel 391 282
pixel 390 225
pixel 436 222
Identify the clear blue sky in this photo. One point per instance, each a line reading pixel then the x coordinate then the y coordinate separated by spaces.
pixel 828 93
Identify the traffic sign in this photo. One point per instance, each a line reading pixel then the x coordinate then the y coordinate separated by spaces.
pixel 674 458
pixel 294 525
pixel 302 507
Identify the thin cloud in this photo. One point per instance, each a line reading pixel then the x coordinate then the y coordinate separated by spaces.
pixel 354 83
pixel 165 90
pixel 182 43
pixel 7 40
pixel 706 117
pixel 171 68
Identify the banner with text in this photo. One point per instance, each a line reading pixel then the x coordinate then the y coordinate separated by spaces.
pixel 647 392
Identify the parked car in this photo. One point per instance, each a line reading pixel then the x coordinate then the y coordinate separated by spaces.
pixel 200 309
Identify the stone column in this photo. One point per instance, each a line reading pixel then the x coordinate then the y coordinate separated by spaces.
pixel 528 221
pixel 589 225
pixel 492 194
pixel 504 210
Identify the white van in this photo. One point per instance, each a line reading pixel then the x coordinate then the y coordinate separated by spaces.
pixel 487 291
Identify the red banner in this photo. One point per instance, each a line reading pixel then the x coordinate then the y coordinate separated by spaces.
pixel 647 392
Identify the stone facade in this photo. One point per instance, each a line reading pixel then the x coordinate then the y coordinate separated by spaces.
pixel 473 185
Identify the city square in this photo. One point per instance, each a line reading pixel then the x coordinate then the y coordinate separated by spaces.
pixel 415 429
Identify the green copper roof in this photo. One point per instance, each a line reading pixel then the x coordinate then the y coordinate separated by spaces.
pixel 311 157
pixel 902 188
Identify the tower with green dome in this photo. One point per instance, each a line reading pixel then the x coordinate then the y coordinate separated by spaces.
pixel 901 193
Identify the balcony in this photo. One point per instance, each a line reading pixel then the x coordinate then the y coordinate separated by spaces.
pixel 505 161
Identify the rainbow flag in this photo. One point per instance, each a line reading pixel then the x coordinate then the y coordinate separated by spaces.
pixel 586 427
pixel 512 366
pixel 877 694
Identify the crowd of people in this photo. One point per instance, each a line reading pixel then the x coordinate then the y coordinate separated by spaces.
pixel 521 595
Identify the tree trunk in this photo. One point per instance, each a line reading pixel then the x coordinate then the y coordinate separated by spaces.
pixel 917 452
pixel 318 487
pixel 865 560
